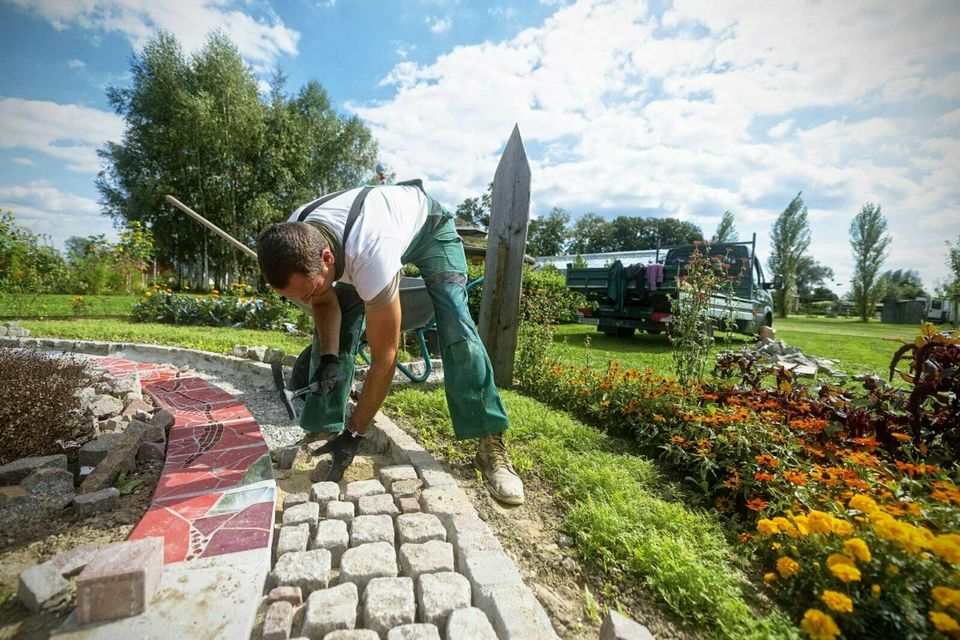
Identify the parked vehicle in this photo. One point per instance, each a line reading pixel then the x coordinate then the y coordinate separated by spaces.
pixel 630 298
pixel 942 311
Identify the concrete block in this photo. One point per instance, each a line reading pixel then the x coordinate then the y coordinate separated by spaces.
pixel 104 406
pixel 309 570
pixel 619 627
pixel 470 543
pixel 379 504
pixel 293 499
pixel 306 513
pixel 330 610
pixel 41 586
pixel 486 568
pixel 409 505
pixel 337 510
pixel 514 611
pixel 387 603
pixel 396 473
pixel 14 472
pixel 72 562
pixel 293 537
pixel 53 484
pixel 416 631
pixel 355 634
pixel 434 478
pixel 446 501
pixel 93 452
pixel 418 528
pixel 356 490
pixel 120 580
pixel 366 529
pixel 290 594
pixel 467 523
pixel 429 557
pixel 331 535
pixel 89 504
pixel 469 624
pixel 278 621
pixel 257 353
pixel 440 594
pixel 361 564
pixel 406 488
pixel 324 492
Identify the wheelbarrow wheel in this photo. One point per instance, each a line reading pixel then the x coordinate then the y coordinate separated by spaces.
pixel 300 376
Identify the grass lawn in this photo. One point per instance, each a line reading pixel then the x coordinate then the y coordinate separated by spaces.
pixel 61 305
pixel 626 520
pixel 857 347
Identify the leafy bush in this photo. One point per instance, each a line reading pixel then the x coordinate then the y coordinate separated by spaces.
pixel 27 265
pixel 37 403
pixel 544 297
pixel 164 306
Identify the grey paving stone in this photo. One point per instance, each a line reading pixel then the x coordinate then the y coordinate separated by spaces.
pixel 367 529
pixel 472 542
pixel 287 456
pixel 439 594
pixel 467 523
pixel 619 627
pixel 356 634
pixel 388 603
pixel 53 484
pixel 41 586
pixel 278 621
pixel 361 564
pixel 414 632
pixel 409 505
pixel 469 624
pixel 152 451
pixel 293 499
pixel 433 478
pixel 396 473
pixel 96 450
pixel 14 472
pixel 429 557
pixel 324 492
pixel 379 504
pixel 330 610
pixel 293 537
pixel 97 502
pixel 514 611
pixel 446 501
pixel 485 568
pixel 306 513
pixel 355 490
pixel 406 488
pixel 293 595
pixel 309 570
pixel 332 535
pixel 104 406
pixel 418 528
pixel 337 510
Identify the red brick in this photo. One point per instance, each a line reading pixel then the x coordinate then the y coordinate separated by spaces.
pixel 120 580
pixel 409 505
pixel 290 594
pixel 278 621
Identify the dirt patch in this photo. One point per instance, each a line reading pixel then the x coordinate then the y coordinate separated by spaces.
pixel 39 541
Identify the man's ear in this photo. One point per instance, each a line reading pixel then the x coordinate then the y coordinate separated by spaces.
pixel 327 257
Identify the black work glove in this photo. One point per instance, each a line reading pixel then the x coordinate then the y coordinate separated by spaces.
pixel 327 375
pixel 343 448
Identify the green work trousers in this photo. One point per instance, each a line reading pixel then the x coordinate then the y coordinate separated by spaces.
pixel 475 406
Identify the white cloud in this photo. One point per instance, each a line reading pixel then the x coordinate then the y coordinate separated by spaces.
pixel 504 13
pixel 438 25
pixel 69 132
pixel 623 111
pixel 76 64
pixel 44 209
pixel 261 40
pixel 27 162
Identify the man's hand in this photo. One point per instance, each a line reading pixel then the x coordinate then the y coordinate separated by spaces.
pixel 327 375
pixel 343 448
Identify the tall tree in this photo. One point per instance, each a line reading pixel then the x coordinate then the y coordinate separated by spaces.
pixel 789 241
pixel 952 288
pixel 547 236
pixel 590 234
pixel 725 232
pixel 869 241
pixel 902 284
pixel 810 276
pixel 476 211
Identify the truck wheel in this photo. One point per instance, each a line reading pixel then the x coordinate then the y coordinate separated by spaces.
pixel 622 332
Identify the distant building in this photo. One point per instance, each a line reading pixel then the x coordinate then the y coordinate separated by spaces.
pixel 603 259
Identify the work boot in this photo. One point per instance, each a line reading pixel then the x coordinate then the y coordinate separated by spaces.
pixel 499 477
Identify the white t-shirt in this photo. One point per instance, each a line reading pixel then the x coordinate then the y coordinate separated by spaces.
pixel 390 219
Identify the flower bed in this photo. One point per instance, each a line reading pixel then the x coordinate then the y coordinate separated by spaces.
pixel 848 500
pixel 213 310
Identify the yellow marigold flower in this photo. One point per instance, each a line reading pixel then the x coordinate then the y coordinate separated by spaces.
pixel 787 566
pixel 845 572
pixel 785 526
pixel 875 590
pixel 148 293
pixel 943 622
pixel 857 549
pixel 837 601
pixel 770 578
pixel 842 527
pixel 862 503
pixel 839 558
pixel 947 546
pixel 819 522
pixel 819 625
pixel 893 570
pixel 946 597
pixel 802 524
pixel 767 527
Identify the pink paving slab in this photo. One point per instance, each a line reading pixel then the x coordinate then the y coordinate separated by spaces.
pixel 148 371
pixel 211 524
pixel 215 470
pixel 188 441
pixel 196 402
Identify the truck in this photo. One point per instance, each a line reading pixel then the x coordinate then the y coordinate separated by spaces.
pixel 629 297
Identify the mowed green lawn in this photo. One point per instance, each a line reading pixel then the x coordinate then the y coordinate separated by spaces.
pixel 857 347
pixel 63 305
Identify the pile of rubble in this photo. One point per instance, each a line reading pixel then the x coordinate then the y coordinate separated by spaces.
pixel 779 353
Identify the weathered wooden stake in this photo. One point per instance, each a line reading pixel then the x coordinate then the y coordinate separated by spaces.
pixel 503 272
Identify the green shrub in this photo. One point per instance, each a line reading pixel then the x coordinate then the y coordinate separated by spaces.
pixel 163 306
pixel 544 297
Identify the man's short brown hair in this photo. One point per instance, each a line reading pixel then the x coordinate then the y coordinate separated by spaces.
pixel 286 248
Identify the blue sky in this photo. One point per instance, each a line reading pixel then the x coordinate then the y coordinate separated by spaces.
pixel 683 108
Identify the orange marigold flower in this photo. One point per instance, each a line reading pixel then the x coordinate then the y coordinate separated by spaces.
pixel 819 625
pixel 837 601
pixel 787 566
pixel 770 578
pixel 756 504
pixel 767 527
pixel 857 549
pixel 944 623
pixel 761 476
pixel 947 546
pixel 845 572
pixel 946 597
pixel 838 558
pixel 798 478
pixel 745 537
pixel 768 460
pixel 658 418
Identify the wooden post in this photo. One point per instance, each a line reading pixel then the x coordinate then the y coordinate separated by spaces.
pixel 503 272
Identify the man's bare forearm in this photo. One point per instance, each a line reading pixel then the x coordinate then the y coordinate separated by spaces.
pixel 375 388
pixel 326 318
